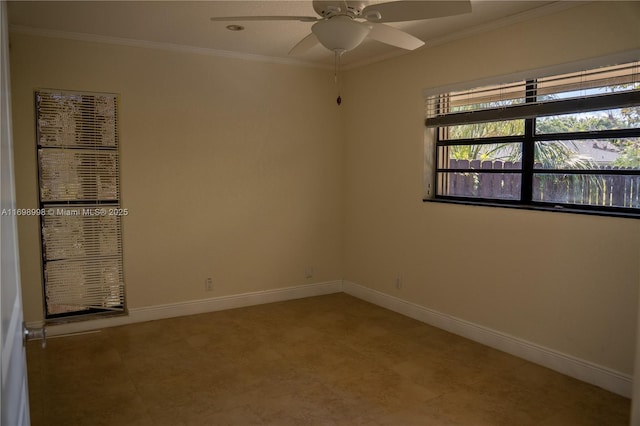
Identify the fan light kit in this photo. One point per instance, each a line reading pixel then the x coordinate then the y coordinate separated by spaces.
pixel 338 34
pixel 344 25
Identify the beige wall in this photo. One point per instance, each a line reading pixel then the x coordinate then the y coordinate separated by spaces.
pixel 567 282
pixel 230 169
pixel 238 170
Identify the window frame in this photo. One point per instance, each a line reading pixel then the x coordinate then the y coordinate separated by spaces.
pixel 528 141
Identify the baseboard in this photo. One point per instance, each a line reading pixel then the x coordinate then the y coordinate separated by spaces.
pixel 193 307
pixel 571 366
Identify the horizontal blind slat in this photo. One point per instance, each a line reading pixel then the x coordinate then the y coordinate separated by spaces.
pixel 539 109
pixel 77 232
pixel 74 174
pixel 581 85
pixel 84 284
pixel 66 119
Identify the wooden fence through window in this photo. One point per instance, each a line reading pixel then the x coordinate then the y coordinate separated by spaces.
pixel 603 189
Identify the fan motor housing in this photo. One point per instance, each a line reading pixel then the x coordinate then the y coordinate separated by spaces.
pixel 327 8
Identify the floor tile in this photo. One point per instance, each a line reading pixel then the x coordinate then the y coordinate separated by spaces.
pixel 326 360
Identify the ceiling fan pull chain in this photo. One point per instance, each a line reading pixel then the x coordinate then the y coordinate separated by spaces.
pixel 336 73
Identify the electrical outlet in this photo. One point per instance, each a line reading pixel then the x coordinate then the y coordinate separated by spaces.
pixel 208 284
pixel 308 272
pixel 399 281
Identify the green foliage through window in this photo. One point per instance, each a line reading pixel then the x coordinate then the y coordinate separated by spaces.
pixel 585 158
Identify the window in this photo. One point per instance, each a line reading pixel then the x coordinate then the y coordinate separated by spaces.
pixel 80 214
pixel 568 141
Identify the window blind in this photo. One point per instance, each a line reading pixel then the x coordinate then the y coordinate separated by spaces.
pixel 78 174
pixel 80 232
pixel 73 119
pixel 78 161
pixel 613 86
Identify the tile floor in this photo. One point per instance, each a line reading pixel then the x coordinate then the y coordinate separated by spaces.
pixel 327 360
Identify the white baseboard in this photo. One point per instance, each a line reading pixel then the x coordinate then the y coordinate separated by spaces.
pixel 193 307
pixel 571 366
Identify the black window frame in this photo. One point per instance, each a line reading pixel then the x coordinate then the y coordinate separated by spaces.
pixel 528 142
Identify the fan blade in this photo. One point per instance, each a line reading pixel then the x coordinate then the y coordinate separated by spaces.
pixel 394 37
pixel 305 44
pixel 265 18
pixel 398 11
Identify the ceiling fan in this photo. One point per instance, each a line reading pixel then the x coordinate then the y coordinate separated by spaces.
pixel 343 25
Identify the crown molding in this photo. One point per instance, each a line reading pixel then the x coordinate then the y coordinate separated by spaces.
pixel 539 12
pixel 95 38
